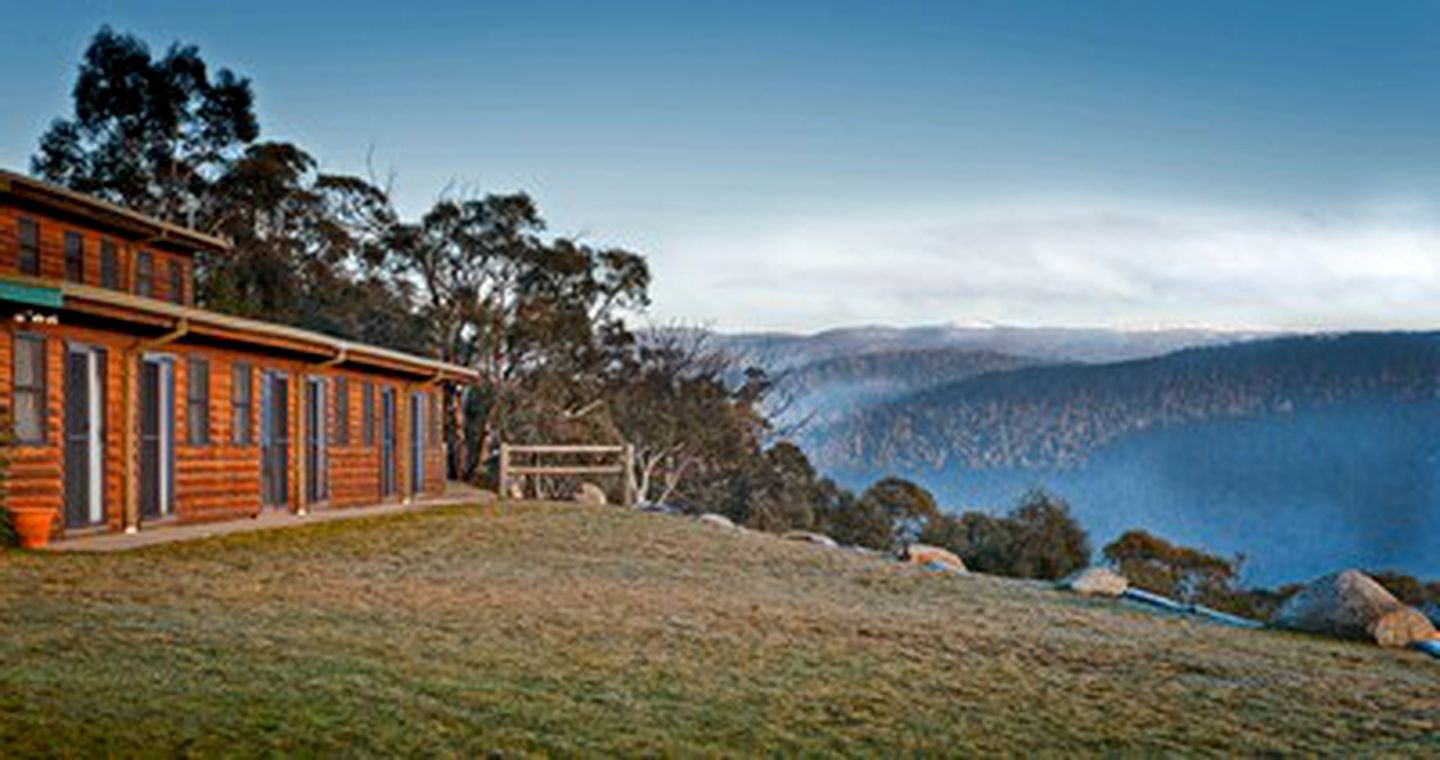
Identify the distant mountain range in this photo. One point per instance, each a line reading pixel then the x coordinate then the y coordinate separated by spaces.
pixel 1305 453
pixel 778 350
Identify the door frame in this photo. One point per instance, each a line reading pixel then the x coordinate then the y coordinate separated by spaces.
pixel 417 442
pixel 165 423
pixel 96 370
pixel 315 417
pixel 274 495
pixel 389 428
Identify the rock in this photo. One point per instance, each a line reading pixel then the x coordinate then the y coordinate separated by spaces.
pixel 1351 605
pixel 819 539
pixel 718 521
pixel 924 554
pixel 1402 627
pixel 589 493
pixel 1095 581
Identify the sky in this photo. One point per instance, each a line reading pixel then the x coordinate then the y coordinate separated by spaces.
pixel 797 166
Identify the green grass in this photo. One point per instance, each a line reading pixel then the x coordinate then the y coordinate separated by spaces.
pixel 558 629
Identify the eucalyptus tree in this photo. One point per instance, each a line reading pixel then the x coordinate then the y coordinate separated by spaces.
pixel 538 317
pixel 150 133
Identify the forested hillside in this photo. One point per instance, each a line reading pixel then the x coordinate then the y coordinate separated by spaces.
pixel 1059 416
pixel 1300 453
pixel 831 388
pixel 779 351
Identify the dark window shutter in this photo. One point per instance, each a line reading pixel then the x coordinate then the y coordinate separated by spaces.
pixel 74 257
pixel 109 265
pixel 29 247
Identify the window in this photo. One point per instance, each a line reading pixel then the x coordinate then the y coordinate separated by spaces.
pixel 198 396
pixel 109 265
pixel 30 388
pixel 74 257
pixel 367 415
pixel 145 274
pixel 29 247
pixel 241 404
pixel 177 281
pixel 342 411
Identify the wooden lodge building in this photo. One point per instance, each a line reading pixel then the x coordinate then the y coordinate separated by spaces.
pixel 130 408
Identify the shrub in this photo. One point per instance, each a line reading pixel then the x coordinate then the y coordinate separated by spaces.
pixel 1189 575
pixel 892 512
pixel 1039 538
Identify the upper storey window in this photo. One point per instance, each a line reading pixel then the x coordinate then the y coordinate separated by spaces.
pixel 145 274
pixel 177 282
pixel 109 265
pixel 29 247
pixel 74 257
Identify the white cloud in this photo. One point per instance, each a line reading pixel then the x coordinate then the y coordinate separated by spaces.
pixel 1102 263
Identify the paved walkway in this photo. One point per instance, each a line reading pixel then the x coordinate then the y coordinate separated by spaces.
pixel 266 520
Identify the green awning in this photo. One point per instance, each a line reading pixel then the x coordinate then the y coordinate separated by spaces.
pixel 31 295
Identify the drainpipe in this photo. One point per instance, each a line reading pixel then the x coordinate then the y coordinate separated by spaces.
pixel 130 520
pixel 336 359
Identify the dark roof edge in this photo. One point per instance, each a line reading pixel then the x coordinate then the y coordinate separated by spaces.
pixel 29 188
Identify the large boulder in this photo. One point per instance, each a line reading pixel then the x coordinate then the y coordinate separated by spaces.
pixel 1096 581
pixel 934 556
pixel 589 493
pixel 1351 605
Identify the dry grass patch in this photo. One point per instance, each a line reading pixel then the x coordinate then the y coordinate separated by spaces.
pixel 555 628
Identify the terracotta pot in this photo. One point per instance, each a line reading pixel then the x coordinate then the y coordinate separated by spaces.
pixel 32 525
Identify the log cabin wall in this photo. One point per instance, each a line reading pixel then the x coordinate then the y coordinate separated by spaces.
pixel 52 233
pixel 219 479
pixel 216 474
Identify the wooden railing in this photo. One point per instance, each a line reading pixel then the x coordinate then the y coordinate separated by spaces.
pixel 513 473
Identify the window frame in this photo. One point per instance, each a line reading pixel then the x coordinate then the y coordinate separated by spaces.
pixel 177 281
pixel 28 265
pixel 39 388
pixel 342 411
pixel 242 405
pixel 367 414
pixel 110 265
pixel 145 274
pixel 75 256
pixel 197 399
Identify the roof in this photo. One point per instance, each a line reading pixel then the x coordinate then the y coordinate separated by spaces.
pixel 105 302
pixel 121 306
pixel 125 307
pixel 49 196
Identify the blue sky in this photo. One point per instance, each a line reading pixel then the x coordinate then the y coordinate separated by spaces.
pixel 800 165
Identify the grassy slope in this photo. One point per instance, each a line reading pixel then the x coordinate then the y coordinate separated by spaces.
pixel 557 628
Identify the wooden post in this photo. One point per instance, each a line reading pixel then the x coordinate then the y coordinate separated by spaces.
pixel 504 481
pixel 628 479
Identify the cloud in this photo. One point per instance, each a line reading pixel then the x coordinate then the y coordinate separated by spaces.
pixel 1112 263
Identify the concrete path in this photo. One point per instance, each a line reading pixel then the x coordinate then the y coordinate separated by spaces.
pixel 267 520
